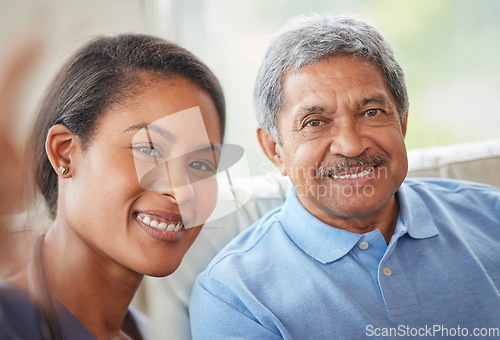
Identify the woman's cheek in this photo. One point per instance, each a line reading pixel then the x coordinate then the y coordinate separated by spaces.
pixel 206 194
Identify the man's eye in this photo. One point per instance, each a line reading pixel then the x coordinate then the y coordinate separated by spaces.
pixel 314 122
pixel 201 166
pixel 372 112
pixel 148 150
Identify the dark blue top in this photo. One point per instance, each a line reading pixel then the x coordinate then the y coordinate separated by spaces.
pixel 18 318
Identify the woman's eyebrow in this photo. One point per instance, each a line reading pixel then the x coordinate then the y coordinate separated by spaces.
pixel 210 147
pixel 151 127
pixel 170 137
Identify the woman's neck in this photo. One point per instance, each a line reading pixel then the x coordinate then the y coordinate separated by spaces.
pixel 95 290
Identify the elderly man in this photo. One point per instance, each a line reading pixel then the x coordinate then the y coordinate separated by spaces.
pixel 356 250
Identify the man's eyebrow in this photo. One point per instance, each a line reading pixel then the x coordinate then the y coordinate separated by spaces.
pixel 382 100
pixel 151 127
pixel 309 109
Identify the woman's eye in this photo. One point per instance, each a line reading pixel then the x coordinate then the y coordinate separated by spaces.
pixel 201 166
pixel 148 150
pixel 314 122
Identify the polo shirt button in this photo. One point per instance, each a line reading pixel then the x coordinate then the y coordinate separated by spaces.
pixel 363 245
pixel 387 271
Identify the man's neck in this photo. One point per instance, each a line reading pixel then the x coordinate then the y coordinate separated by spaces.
pixel 384 219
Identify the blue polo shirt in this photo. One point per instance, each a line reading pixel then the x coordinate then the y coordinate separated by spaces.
pixel 292 276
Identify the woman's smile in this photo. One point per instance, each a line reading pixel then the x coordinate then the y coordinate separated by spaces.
pixel 161 225
pixel 161 221
pixel 125 150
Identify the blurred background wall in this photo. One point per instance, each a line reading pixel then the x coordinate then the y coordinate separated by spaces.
pixel 448 49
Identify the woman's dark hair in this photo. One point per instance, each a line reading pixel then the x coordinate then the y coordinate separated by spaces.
pixel 100 74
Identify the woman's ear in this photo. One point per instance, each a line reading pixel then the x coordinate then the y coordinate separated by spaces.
pixel 60 145
pixel 271 148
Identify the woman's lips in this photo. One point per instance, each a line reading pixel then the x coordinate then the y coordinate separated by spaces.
pixel 160 222
pixel 160 226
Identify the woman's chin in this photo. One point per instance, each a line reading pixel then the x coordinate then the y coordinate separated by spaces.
pixel 159 273
pixel 161 270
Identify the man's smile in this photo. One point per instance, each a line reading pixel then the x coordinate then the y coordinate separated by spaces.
pixel 352 173
pixel 352 168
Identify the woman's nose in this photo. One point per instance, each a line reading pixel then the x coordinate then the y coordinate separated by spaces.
pixel 175 182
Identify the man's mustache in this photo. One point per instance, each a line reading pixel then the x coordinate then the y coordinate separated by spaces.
pixel 346 163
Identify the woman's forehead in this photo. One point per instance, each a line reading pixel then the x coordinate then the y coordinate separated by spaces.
pixel 175 105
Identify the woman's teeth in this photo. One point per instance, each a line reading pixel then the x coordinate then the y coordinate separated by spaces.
pixel 152 222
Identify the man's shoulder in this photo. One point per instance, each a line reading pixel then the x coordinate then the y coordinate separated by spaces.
pixel 448 186
pixel 453 205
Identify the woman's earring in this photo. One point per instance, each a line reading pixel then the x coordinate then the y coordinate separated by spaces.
pixel 62 170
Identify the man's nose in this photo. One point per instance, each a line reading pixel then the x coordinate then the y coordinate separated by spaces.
pixel 347 138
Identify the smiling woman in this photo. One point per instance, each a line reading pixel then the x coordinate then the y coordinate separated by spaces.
pixel 128 183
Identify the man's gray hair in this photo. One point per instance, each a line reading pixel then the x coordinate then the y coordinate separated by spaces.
pixel 308 40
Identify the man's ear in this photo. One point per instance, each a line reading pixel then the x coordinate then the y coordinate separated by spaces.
pixel 404 123
pixel 271 148
pixel 60 146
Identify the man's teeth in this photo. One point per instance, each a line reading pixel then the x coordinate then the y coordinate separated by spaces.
pixel 358 175
pixel 160 225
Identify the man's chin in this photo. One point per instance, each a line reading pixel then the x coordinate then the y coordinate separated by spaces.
pixel 355 205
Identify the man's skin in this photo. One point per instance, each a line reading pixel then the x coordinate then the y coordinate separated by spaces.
pixel 342 144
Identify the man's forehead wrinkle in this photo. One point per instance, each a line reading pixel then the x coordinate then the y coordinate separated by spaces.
pixel 321 81
pixel 320 91
pixel 349 101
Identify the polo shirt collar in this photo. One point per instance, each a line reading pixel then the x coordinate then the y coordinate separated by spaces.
pixel 319 240
pixel 414 214
pixel 327 244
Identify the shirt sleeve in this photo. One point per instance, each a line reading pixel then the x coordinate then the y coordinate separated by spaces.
pixel 215 312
